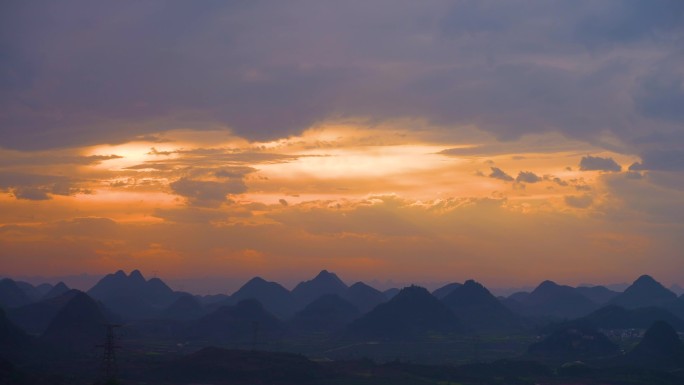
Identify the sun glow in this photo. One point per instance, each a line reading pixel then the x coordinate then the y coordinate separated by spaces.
pixel 132 154
pixel 373 162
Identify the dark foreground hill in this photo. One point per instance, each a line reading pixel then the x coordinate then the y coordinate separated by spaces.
pixel 660 348
pixel 77 327
pixel 239 367
pixel 411 314
pixel 35 317
pixel 574 343
pixel 228 367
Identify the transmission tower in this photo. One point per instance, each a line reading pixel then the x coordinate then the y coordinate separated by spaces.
pixel 109 367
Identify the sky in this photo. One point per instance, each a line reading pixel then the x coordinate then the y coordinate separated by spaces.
pixel 431 141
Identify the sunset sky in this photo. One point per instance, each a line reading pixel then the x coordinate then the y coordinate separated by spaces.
pixel 424 141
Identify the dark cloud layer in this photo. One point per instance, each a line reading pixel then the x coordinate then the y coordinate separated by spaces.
pixel 37 186
pixel 207 193
pixel 498 173
pixel 528 177
pixel 48 159
pixel 596 163
pixel 76 72
pixel 666 160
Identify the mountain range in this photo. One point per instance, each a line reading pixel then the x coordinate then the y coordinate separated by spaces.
pixel 339 321
pixel 326 304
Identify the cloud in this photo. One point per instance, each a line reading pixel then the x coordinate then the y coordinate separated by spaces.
pixel 38 187
pixel 661 95
pixel 497 173
pixel 191 215
pixel 152 166
pixel 630 22
pixel 538 144
pixel 31 193
pixel 207 193
pixel 660 160
pixel 595 163
pixel 29 159
pixel 579 201
pixel 528 177
pixel 656 197
pixel 556 180
pixel 447 64
pixel 234 172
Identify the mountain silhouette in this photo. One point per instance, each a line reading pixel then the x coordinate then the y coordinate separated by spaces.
pixel 390 293
pixel 43 289
pixel 110 285
pixel 411 314
pixel 237 324
pixel 660 348
pixel 12 337
pixel 185 308
pixel 11 295
pixel 158 292
pixel 446 290
pixel 574 343
pixel 35 317
pixel 31 291
pixel 479 310
pixel 616 317
pixel 597 294
pixel 675 288
pixel 324 283
pixel 274 297
pixel 325 314
pixel 56 291
pixel 364 297
pixel 132 296
pixel 78 326
pixel 551 299
pixel 119 284
pixel 645 291
pixel 520 296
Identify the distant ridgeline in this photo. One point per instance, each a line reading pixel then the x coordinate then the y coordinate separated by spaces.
pixel 324 318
